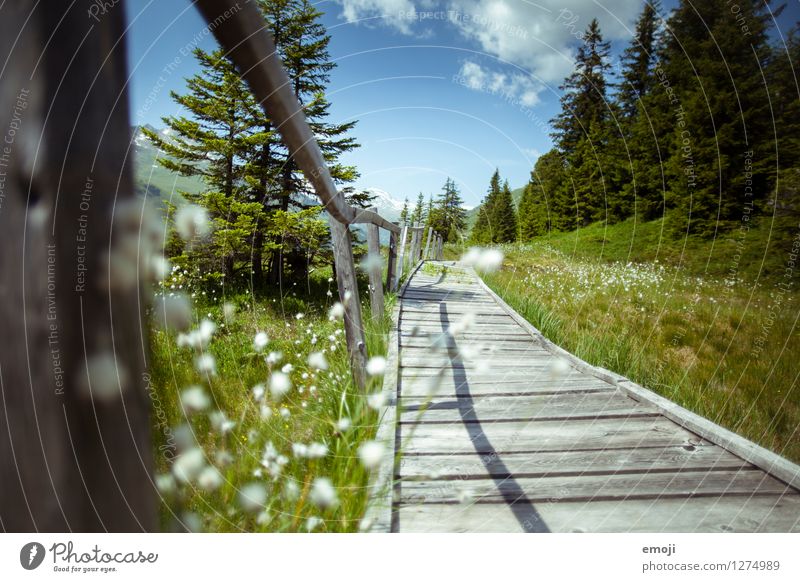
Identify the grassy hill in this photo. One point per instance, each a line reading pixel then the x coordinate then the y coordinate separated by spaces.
pixel 708 324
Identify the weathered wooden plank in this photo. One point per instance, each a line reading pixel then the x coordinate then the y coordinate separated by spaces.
pixel 596 487
pixel 557 406
pixel 421 386
pixel 577 463
pixel 375 270
pixel 698 515
pixel 489 438
pixel 391 263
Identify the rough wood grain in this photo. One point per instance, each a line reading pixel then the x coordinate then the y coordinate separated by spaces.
pixel 699 515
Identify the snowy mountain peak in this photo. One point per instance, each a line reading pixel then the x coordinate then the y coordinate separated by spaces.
pixel 384 200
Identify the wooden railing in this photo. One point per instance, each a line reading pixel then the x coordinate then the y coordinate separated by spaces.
pixel 250 46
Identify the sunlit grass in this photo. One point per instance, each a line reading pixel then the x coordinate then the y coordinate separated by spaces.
pixel 323 409
pixel 722 347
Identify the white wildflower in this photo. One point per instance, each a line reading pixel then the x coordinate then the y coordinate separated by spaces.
pixel 195 399
pixel 252 497
pixel 323 493
pixel 191 221
pixel 370 453
pixel 103 378
pixel 220 422
pixel 206 364
pixel 260 341
pixel 165 483
pixel 559 368
pixel 287 369
pixel 343 424
pixel 377 400
pixel 376 366
pixel 258 392
pixel 313 523
pixel 229 312
pixel 336 311
pixel 274 357
pixel 174 312
pixel 279 385
pixel 209 479
pixel 317 361
pixel 188 465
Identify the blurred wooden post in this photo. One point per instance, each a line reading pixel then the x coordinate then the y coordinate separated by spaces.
pixel 348 291
pixel 75 450
pixel 440 253
pixel 391 263
pixel 374 261
pixel 401 258
pixel 414 246
pixel 425 255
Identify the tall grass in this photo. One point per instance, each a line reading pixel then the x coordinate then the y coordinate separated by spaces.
pixel 273 454
pixel 725 347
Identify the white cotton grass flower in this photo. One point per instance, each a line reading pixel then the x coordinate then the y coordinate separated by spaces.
pixel 274 358
pixel 104 378
pixel 195 399
pixel 310 451
pixel 370 454
pixel 209 479
pixel 317 361
pixel 287 369
pixel 323 493
pixel 372 262
pixel 336 311
pixel 206 364
pixel 252 497
pixel 220 422
pixel 343 424
pixel 160 268
pixel 184 437
pixel 483 260
pixel 192 522
pixel 188 465
pixel 376 366
pixel 174 312
pixel 291 490
pixel 313 523
pixel 365 524
pixel 259 390
pixel 229 312
pixel 377 400
pixel 266 412
pixel 559 367
pixel 223 458
pixel 279 385
pixel 165 483
pixel 191 221
pixel 260 341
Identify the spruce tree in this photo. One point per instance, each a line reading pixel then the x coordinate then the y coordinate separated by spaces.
pixel 637 62
pixel 584 100
pixel 534 219
pixel 483 230
pixel 719 109
pixel 418 216
pixel 505 217
pixel 404 213
pixel 450 217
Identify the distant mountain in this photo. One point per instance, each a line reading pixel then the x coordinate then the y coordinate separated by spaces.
pixel 472 215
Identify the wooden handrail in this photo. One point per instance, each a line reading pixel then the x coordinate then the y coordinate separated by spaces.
pixel 242 32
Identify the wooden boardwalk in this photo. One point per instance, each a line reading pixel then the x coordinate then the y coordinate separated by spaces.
pixel 500 430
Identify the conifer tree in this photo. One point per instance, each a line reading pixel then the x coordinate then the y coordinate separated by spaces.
pixel 483 230
pixel 505 217
pixel 418 217
pixel 450 217
pixel 534 217
pixel 404 213
pixel 637 62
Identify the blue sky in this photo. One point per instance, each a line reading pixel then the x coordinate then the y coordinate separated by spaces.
pixel 439 87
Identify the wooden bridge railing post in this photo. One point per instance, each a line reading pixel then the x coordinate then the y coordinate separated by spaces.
pixel 415 244
pixel 391 262
pixel 401 258
pixel 375 271
pixel 347 285
pixel 425 255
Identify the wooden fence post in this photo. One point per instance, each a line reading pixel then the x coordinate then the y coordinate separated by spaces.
pixel 75 451
pixel 414 247
pixel 401 258
pixel 374 262
pixel 348 293
pixel 391 262
pixel 428 243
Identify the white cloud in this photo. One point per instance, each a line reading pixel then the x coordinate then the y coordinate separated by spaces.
pixel 539 36
pixel 518 89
